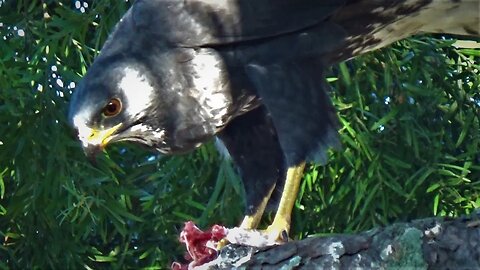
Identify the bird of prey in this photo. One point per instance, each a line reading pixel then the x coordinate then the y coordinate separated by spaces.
pixel 174 74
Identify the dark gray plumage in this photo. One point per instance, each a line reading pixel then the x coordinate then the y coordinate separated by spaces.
pixel 174 74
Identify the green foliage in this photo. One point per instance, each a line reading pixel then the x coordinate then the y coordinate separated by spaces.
pixel 410 129
pixel 410 117
pixel 411 135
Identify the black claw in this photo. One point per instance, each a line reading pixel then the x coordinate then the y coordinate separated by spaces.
pixel 285 236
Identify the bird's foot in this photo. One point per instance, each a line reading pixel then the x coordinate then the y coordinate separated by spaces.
pixel 275 234
pixel 278 230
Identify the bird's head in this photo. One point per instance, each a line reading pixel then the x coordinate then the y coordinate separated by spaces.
pixel 168 101
pixel 115 101
pixel 145 88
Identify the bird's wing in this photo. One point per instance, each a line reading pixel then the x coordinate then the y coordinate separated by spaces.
pixel 252 143
pixel 197 23
pixel 304 118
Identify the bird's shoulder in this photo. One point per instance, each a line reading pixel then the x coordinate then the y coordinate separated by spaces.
pixel 196 23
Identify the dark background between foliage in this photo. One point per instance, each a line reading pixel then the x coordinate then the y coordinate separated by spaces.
pixel 410 116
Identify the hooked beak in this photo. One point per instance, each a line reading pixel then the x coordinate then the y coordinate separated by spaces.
pixel 95 140
pixel 91 152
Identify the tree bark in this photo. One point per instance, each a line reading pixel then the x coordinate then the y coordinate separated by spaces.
pixel 433 243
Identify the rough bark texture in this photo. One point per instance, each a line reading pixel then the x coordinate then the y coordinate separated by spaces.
pixel 433 243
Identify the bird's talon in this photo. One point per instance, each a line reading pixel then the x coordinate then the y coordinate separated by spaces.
pixel 278 231
pixel 284 236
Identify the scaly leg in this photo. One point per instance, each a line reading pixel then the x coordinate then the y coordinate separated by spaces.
pixel 281 223
pixel 280 227
pixel 251 221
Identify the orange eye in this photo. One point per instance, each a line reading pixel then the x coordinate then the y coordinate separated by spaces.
pixel 113 107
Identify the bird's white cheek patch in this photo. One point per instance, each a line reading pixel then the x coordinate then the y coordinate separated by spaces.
pixel 137 90
pixel 84 132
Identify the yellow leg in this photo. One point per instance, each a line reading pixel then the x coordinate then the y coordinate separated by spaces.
pixel 280 226
pixel 251 221
pixel 281 223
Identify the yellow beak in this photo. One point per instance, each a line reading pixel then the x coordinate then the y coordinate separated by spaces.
pixel 100 137
pixel 94 140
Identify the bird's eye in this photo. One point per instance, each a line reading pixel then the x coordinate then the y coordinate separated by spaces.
pixel 113 107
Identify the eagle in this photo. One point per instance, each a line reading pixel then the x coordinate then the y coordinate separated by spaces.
pixel 175 74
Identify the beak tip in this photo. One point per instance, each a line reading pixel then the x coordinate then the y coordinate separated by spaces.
pixel 91 152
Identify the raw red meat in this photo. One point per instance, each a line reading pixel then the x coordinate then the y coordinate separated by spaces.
pixel 201 246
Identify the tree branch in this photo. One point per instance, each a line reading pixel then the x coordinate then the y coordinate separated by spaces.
pixel 436 243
